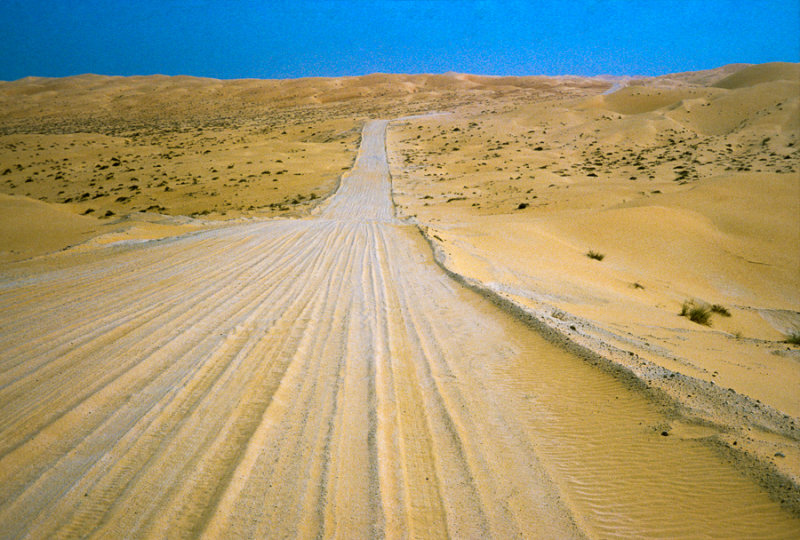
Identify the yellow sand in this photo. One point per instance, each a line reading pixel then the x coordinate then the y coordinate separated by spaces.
pixel 322 377
pixel 141 148
pixel 691 193
pixel 177 363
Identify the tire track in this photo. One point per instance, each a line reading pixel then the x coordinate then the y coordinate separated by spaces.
pixel 158 347
pixel 317 378
pixel 155 401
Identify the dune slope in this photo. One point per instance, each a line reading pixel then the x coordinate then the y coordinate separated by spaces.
pixel 682 194
pixel 322 377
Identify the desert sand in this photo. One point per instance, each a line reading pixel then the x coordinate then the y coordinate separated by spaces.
pixel 690 192
pixel 423 347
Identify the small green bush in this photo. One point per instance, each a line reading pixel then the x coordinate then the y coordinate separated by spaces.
pixel 793 337
pixel 595 255
pixel 696 313
pixel 722 310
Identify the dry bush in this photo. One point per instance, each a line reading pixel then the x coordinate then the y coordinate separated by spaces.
pixel 699 314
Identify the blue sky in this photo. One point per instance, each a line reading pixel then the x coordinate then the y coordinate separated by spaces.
pixel 282 39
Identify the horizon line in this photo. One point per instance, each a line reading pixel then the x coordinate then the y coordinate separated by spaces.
pixel 454 73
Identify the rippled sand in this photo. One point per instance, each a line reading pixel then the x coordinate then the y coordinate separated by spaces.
pixel 323 377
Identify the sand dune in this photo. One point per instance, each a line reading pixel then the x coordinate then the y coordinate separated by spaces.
pixel 140 148
pixel 322 377
pixel 762 73
pixel 219 318
pixel 31 101
pixel 29 227
pixel 690 193
pixel 705 77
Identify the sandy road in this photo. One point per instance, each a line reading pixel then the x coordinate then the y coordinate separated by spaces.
pixel 322 377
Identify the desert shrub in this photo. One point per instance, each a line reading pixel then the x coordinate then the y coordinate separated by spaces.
pixel 595 255
pixel 793 337
pixel 722 310
pixel 696 313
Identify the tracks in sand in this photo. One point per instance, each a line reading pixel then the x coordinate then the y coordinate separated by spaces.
pixel 322 377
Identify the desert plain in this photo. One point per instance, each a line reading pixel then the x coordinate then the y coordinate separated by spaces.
pixel 401 306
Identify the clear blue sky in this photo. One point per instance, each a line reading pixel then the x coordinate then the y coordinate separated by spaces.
pixel 281 39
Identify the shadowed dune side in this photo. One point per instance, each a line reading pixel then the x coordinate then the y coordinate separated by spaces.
pixel 29 227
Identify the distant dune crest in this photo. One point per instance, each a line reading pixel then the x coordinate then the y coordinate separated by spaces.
pixel 753 75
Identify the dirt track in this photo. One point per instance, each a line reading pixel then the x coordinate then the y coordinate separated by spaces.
pixel 322 377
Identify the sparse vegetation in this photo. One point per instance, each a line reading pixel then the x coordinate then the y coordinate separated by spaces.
pixel 722 310
pixel 595 255
pixel 697 313
pixel 793 337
